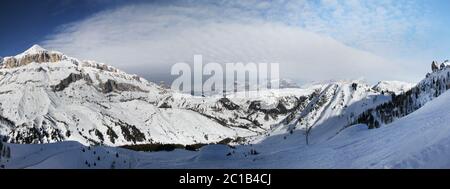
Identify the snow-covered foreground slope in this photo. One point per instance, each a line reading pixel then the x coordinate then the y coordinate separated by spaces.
pixel 419 140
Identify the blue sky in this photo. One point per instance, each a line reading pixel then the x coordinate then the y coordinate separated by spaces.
pixel 27 22
pixel 342 39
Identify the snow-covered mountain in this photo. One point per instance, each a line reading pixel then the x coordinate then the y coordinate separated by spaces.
pixel 396 87
pixel 330 110
pixel 47 96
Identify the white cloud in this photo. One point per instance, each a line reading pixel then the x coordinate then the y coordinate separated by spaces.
pixel 148 40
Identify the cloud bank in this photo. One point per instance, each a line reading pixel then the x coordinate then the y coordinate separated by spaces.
pixel 149 39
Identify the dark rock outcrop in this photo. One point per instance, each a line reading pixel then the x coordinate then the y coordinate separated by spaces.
pixel 42 57
pixel 228 104
pixel 67 81
pixel 113 86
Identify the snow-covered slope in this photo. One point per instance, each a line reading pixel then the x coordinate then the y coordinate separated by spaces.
pixel 405 103
pixel 257 112
pixel 331 109
pixel 46 96
pixel 419 140
pixel 61 98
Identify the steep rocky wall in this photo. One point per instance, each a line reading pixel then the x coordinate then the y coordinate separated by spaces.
pixel 44 57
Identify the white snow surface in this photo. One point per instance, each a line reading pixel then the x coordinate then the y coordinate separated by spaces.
pixel 419 140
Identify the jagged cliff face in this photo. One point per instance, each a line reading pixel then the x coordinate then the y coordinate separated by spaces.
pixel 38 58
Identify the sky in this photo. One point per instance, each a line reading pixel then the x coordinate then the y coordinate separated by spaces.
pixel 316 40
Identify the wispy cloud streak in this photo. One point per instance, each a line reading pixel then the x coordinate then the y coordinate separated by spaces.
pixel 312 41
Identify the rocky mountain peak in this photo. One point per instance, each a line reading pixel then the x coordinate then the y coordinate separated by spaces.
pixel 35 49
pixel 35 54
